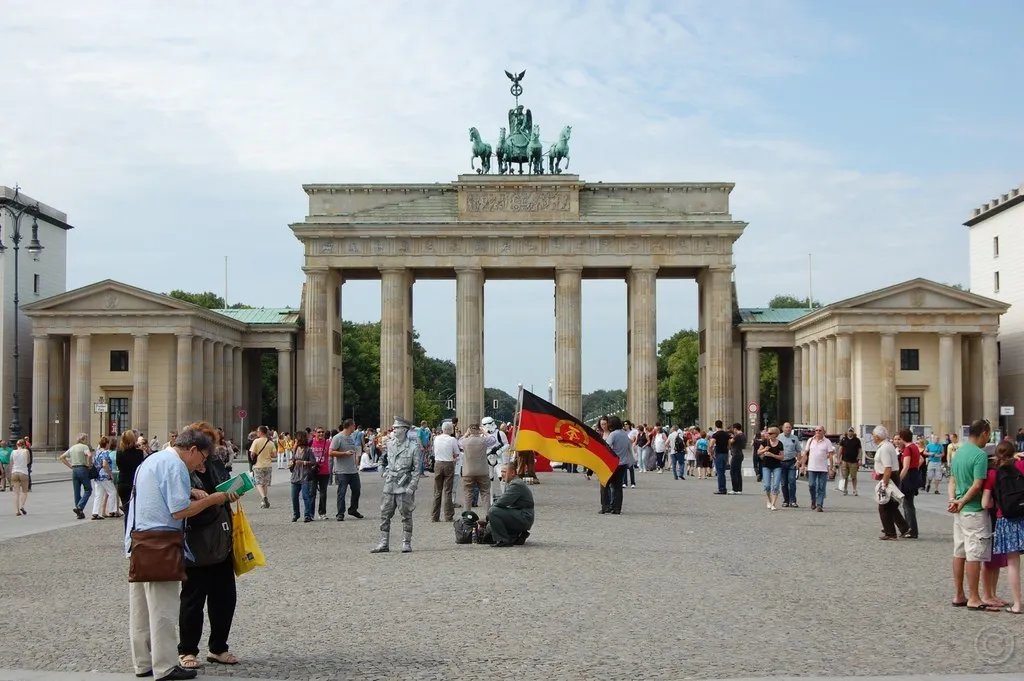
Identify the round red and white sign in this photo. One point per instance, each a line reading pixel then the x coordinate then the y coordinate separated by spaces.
pixel 242 413
pixel 752 407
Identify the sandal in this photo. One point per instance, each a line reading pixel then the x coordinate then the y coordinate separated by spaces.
pixel 223 658
pixel 189 662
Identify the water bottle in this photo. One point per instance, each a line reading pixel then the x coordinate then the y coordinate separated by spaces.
pixel 474 535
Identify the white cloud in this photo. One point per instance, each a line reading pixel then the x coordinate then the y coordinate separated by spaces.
pixel 187 128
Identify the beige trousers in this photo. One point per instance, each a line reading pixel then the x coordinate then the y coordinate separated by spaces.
pixel 484 483
pixel 153 617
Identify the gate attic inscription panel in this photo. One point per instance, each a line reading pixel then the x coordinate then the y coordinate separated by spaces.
pixel 531 226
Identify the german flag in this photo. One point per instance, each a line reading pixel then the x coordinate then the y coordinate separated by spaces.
pixel 556 435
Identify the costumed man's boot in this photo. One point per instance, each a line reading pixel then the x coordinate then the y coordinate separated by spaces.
pixel 407 542
pixel 383 546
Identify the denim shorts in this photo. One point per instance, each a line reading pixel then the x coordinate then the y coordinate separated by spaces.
pixel 771 480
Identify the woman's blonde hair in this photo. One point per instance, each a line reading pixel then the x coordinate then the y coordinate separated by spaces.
pixel 128 440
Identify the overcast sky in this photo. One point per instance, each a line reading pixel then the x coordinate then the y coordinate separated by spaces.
pixel 174 134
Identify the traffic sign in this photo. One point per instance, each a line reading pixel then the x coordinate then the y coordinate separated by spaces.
pixel 752 407
pixel 100 407
pixel 1006 411
pixel 668 406
pixel 242 413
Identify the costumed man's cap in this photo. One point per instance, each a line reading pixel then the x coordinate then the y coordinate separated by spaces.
pixel 401 423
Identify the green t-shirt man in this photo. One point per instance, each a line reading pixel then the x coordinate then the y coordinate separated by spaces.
pixel 970 464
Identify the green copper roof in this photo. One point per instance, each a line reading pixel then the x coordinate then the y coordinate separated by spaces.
pixel 770 315
pixel 262 315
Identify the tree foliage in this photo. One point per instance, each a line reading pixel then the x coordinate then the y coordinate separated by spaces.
pixel 786 301
pixel 678 377
pixel 207 299
pixel 600 402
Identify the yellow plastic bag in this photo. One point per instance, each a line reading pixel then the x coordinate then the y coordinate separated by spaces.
pixel 247 554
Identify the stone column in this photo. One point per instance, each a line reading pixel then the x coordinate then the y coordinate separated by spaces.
pixel 806 390
pixel 226 404
pixel 183 399
pixel 990 379
pixel 237 401
pixel 81 369
pixel 58 394
pixel 394 297
pixel 887 407
pixel 317 347
pixel 568 332
pixel 254 400
pixel 407 385
pixel 196 412
pixel 822 383
pixel 215 379
pixel 844 373
pixel 209 382
pixel 140 384
pixel 40 390
pixel 813 416
pixel 643 345
pixel 717 301
pixel 752 377
pixel 284 390
pixel 469 351
pixel 946 400
pixel 830 385
pixel 798 383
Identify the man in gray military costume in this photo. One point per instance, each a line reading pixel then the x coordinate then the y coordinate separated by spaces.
pixel 511 515
pixel 401 476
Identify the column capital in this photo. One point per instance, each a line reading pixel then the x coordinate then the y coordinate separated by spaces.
pixel 466 270
pixel 141 334
pixel 392 270
pixel 184 334
pixel 886 334
pixel 753 346
pixel 78 334
pixel 282 349
pixel 844 334
pixel 40 336
pixel 316 270
pixel 644 269
pixel 569 269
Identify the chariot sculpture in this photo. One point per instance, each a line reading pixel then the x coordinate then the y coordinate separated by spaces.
pixel 520 143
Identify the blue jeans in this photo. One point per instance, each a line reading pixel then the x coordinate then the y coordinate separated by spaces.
pixel 679 465
pixel 771 479
pixel 817 481
pixel 720 466
pixel 80 479
pixel 345 481
pixel 788 481
pixel 307 500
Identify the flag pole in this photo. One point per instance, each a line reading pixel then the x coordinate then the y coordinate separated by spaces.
pixel 517 418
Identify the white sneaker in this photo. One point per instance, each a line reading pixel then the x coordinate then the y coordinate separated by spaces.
pixel 730 492
pixel 323 517
pixel 768 505
pixel 773 507
pixel 633 486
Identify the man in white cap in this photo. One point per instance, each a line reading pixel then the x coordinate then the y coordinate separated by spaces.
pixel 401 476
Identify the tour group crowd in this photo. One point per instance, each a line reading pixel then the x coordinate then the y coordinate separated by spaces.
pixel 171 485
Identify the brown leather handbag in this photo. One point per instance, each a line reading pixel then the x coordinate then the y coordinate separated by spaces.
pixel 156 555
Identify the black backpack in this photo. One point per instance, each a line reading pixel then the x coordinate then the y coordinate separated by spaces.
pixel 1009 491
pixel 680 443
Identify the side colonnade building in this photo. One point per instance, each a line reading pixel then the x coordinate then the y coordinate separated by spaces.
pixel 154 362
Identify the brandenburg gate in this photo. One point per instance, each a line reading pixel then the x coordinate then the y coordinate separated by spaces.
pixel 516 227
pixel 545 224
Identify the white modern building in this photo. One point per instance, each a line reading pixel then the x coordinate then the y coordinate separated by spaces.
pixel 39 277
pixel 996 238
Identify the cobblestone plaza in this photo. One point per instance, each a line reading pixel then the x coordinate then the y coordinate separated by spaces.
pixel 684 584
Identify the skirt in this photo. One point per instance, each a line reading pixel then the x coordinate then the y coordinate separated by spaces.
pixel 704 461
pixel 1009 536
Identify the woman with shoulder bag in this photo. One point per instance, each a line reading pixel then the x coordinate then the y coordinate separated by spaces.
pixel 303 465
pixel 210 574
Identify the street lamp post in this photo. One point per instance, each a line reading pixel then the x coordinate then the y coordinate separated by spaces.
pixel 17 210
pixel 551 390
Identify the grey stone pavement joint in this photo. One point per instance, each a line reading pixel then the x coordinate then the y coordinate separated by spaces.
pixel 683 585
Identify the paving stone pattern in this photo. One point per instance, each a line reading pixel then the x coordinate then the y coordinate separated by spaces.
pixel 684 584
